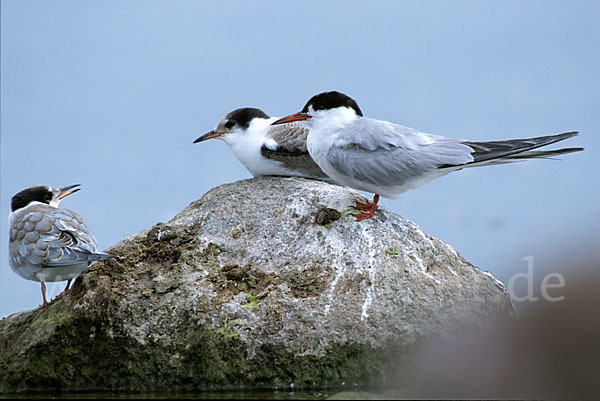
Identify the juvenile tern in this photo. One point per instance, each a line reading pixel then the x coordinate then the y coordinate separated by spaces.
pixel 387 159
pixel 265 149
pixel 48 244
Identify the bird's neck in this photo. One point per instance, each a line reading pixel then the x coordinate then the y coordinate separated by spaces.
pixel 332 120
pixel 19 212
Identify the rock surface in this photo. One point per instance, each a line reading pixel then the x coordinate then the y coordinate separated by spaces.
pixel 263 283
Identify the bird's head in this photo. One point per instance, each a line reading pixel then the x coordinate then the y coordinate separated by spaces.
pixel 42 194
pixel 233 124
pixel 325 105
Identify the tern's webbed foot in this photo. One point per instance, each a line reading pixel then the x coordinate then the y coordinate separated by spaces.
pixel 59 296
pixel 369 209
pixel 365 215
pixel 65 291
pixel 44 305
pixel 363 206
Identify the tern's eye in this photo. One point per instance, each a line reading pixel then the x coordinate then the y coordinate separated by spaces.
pixel 48 197
pixel 230 124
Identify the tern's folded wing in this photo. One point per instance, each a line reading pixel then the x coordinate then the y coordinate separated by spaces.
pixel 52 237
pixel 287 145
pixel 291 137
pixel 387 154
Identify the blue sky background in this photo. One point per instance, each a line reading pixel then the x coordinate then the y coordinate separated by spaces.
pixel 111 94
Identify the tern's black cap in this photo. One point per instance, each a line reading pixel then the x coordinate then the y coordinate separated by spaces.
pixel 40 193
pixel 331 100
pixel 243 116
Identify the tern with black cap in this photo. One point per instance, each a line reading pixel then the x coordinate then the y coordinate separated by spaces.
pixel 265 149
pixel 387 159
pixel 48 243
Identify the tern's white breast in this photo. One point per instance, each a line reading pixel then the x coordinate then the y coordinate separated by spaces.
pixel 328 127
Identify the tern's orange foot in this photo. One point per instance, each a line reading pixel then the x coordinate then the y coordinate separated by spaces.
pixel 363 206
pixel 65 291
pixel 369 209
pixel 365 215
pixel 59 296
pixel 44 305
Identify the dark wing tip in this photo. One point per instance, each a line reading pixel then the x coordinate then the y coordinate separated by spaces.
pixel 567 135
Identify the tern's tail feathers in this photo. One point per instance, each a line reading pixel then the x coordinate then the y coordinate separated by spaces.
pixel 101 256
pixel 513 150
pixel 541 154
pixel 72 256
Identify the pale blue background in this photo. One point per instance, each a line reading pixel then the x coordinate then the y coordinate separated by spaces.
pixel 111 94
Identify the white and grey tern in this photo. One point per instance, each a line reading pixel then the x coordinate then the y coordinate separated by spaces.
pixel 387 159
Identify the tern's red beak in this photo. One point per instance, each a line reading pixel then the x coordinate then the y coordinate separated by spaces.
pixel 64 192
pixel 292 118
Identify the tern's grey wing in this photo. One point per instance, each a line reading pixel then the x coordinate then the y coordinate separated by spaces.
pixel 287 145
pixel 391 155
pixel 371 135
pixel 49 236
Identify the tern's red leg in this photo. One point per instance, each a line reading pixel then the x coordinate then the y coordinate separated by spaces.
pixel 44 296
pixel 369 209
pixel 65 292
pixel 367 206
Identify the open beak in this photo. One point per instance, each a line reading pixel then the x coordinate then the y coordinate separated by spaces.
pixel 292 118
pixel 64 192
pixel 208 135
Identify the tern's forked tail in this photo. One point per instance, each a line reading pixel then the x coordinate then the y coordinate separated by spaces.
pixel 512 150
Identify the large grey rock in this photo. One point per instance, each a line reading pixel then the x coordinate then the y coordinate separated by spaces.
pixel 260 283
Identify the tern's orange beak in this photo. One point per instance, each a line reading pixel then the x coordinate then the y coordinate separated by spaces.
pixel 208 135
pixel 292 118
pixel 64 192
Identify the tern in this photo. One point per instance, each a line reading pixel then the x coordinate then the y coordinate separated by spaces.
pixel 46 243
pixel 265 149
pixel 387 159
